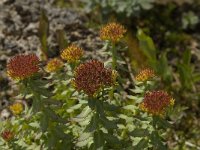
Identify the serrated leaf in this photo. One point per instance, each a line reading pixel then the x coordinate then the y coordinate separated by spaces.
pixel 142 144
pixel 93 124
pixel 73 108
pixel 44 122
pixel 84 136
pixel 139 133
pixel 98 140
pixel 108 124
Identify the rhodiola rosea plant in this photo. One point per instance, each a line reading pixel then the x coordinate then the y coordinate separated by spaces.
pixel 76 104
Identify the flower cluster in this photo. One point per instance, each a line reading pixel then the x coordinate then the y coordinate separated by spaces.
pixel 54 65
pixel 72 53
pixel 23 66
pixel 145 75
pixel 112 32
pixel 7 135
pixel 156 102
pixel 91 76
pixel 16 108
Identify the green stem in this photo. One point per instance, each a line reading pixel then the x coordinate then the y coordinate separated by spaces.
pixel 114 65
pixel 114 57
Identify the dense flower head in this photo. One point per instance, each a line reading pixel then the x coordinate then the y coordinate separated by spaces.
pixel 72 53
pixel 16 108
pixel 145 75
pixel 54 65
pixel 156 102
pixel 112 32
pixel 92 76
pixel 7 135
pixel 23 66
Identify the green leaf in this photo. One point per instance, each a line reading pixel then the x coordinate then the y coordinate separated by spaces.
pixel 108 124
pixel 164 69
pixel 98 140
pixel 61 40
pixel 51 141
pixel 93 124
pixel 43 33
pixel 142 144
pixel 92 103
pixel 99 108
pixel 139 132
pixel 147 46
pixel 161 123
pixel 73 108
pixel 84 112
pixel 84 143
pixel 110 107
pixel 187 57
pixel 51 114
pixel 111 139
pixel 44 122
pixel 157 141
pixel 84 136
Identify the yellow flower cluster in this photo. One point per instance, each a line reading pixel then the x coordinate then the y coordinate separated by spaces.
pixel 72 53
pixel 112 32
pixel 16 108
pixel 145 75
pixel 54 65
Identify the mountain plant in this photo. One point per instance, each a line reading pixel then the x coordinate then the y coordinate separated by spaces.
pixel 76 104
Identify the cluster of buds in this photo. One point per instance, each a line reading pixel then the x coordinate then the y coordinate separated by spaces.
pixel 112 32
pixel 156 102
pixel 7 135
pixel 16 108
pixel 144 75
pixel 72 53
pixel 92 76
pixel 22 66
pixel 54 65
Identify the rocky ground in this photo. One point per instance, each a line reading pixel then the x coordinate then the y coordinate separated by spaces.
pixel 19 23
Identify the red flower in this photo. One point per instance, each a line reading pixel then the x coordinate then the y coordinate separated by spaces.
pixel 91 76
pixel 7 135
pixel 156 102
pixel 22 66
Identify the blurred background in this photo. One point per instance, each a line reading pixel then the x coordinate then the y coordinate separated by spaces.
pixel 166 31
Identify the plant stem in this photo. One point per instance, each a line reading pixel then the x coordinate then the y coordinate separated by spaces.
pixel 114 57
pixel 114 65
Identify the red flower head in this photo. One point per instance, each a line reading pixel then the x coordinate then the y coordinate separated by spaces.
pixel 156 102
pixel 22 66
pixel 7 135
pixel 91 76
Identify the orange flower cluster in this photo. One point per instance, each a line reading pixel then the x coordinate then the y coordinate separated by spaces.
pixel 53 65
pixel 156 102
pixel 91 76
pixel 72 53
pixel 112 32
pixel 7 135
pixel 145 75
pixel 22 66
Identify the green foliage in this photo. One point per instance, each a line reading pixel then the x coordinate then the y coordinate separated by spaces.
pixel 121 7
